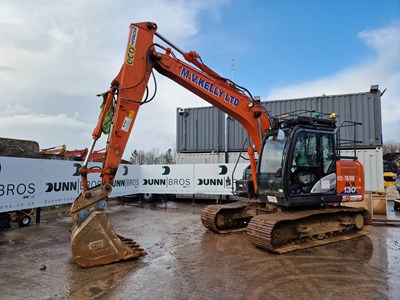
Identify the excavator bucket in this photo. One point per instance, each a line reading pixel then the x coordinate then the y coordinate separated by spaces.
pixel 94 242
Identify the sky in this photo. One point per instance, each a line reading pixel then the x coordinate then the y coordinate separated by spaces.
pixel 56 56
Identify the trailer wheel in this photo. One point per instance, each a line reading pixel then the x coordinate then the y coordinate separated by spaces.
pixel 24 221
pixel 148 197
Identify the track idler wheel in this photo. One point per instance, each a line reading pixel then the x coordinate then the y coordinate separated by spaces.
pixel 94 242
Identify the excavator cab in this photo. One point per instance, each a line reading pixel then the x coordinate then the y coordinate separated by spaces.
pixel 300 178
pixel 290 170
pixel 298 164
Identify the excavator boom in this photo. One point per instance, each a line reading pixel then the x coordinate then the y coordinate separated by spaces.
pixel 93 239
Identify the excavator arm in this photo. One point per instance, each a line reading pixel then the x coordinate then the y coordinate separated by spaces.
pixel 93 239
pixel 217 91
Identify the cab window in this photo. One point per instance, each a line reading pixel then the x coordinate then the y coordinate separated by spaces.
pixel 270 166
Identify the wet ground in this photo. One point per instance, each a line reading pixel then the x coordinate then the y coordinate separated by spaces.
pixel 186 261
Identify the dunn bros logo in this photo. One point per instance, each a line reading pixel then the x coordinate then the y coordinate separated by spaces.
pixel 223 181
pixel 167 181
pixel 76 185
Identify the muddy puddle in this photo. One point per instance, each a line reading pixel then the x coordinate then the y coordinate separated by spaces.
pixel 185 261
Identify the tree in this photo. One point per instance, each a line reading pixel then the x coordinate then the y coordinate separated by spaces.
pixel 151 157
pixel 134 157
pixel 141 157
pixel 138 157
pixel 167 157
pixel 391 147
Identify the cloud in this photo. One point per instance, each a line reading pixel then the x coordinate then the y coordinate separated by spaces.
pixel 52 129
pixel 55 56
pixel 156 121
pixel 383 69
pixel 12 110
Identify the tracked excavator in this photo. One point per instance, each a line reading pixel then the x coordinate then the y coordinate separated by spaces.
pixel 298 178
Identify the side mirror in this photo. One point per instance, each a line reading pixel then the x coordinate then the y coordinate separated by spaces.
pixel 279 173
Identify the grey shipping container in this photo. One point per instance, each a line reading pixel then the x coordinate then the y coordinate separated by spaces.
pixel 203 129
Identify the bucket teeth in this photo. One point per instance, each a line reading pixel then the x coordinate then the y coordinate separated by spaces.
pixel 94 242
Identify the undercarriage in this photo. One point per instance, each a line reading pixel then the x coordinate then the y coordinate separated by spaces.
pixel 283 230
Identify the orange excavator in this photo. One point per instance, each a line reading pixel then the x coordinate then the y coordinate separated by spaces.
pixel 298 178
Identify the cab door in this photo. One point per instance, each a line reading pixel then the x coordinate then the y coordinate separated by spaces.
pixel 310 167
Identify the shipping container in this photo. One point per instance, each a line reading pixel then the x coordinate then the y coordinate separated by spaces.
pixel 200 129
pixel 210 158
pixel 203 129
pixel 373 167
